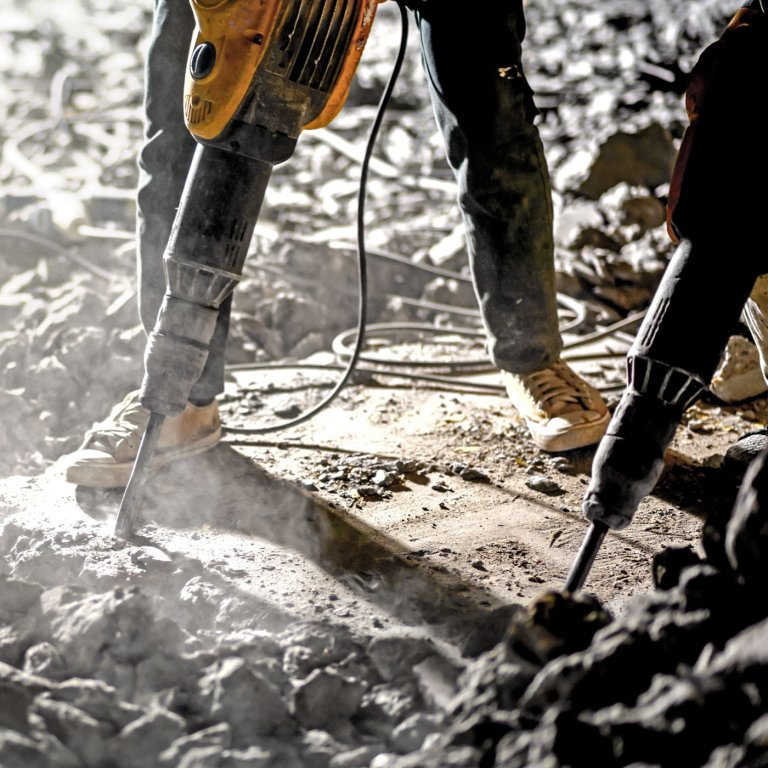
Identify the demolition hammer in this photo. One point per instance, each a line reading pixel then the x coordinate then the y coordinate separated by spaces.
pixel 259 73
pixel 715 211
pixel 669 365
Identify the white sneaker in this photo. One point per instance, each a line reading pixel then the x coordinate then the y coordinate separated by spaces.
pixel 560 409
pixel 106 457
pixel 755 317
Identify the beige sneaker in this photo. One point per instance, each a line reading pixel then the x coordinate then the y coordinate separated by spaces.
pixel 106 457
pixel 561 410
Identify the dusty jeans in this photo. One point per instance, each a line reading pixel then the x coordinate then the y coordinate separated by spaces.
pixel 484 108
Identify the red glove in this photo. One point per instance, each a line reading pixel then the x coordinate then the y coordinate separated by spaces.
pixel 718 187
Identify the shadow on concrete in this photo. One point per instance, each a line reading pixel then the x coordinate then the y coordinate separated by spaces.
pixel 225 490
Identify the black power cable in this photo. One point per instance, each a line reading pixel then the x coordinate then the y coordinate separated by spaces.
pixel 362 270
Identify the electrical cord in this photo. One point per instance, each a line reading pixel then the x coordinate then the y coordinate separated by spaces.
pixel 361 261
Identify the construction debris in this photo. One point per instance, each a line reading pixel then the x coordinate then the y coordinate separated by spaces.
pixel 142 654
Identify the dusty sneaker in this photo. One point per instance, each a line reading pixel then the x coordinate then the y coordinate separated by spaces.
pixel 561 410
pixel 106 457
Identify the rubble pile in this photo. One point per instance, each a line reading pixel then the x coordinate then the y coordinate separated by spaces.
pixel 173 671
pixel 115 655
pixel 680 678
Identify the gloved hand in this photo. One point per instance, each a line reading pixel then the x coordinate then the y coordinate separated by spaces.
pixel 717 187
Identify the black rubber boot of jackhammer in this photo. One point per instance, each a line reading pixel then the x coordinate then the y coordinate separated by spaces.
pixel 629 458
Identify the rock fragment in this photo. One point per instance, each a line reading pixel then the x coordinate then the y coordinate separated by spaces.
pixel 19 751
pixel 313 694
pixel 17 691
pixel 235 692
pixel 410 734
pixel 544 485
pixel 139 744
pixel 204 746
pixel 83 734
pixel 643 159
pixel 117 627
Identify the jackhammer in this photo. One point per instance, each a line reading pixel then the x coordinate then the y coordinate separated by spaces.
pixel 713 213
pixel 259 73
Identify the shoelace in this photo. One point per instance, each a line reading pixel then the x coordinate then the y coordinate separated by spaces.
pixel 554 389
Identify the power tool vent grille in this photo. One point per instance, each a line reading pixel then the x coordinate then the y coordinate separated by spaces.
pixel 314 39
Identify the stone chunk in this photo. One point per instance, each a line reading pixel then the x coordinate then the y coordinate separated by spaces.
pixel 114 627
pixel 17 691
pixel 746 535
pixel 17 598
pixel 544 485
pixel 205 743
pixel 669 564
pixel 99 700
pixel 437 677
pixel 395 654
pixel 325 695
pixel 141 741
pixel 44 659
pixel 642 159
pixel 410 734
pixel 310 645
pixel 18 751
pixel 86 736
pixel 738 376
pixel 235 692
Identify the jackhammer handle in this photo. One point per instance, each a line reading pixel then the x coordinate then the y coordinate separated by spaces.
pixel 135 489
pixel 585 558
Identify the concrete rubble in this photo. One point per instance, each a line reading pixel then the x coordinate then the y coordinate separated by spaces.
pixel 681 678
pixel 119 654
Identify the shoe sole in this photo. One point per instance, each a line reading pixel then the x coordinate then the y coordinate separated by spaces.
pixel 579 436
pixel 116 475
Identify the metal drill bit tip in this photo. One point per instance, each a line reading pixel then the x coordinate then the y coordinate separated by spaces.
pixel 134 491
pixel 586 556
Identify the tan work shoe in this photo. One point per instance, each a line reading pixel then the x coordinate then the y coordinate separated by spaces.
pixel 561 410
pixel 106 457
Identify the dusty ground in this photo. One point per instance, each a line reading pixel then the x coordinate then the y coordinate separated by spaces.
pixel 403 509
pixel 391 493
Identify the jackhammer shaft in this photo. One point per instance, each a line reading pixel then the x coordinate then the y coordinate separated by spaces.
pixel 586 556
pixel 203 262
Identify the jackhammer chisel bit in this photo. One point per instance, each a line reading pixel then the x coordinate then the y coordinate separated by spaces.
pixel 669 365
pixel 134 490
pixel 586 557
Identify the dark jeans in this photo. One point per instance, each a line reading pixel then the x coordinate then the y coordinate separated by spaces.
pixel 484 108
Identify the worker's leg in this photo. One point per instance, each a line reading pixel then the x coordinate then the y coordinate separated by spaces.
pixel 755 316
pixel 106 456
pixel 484 108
